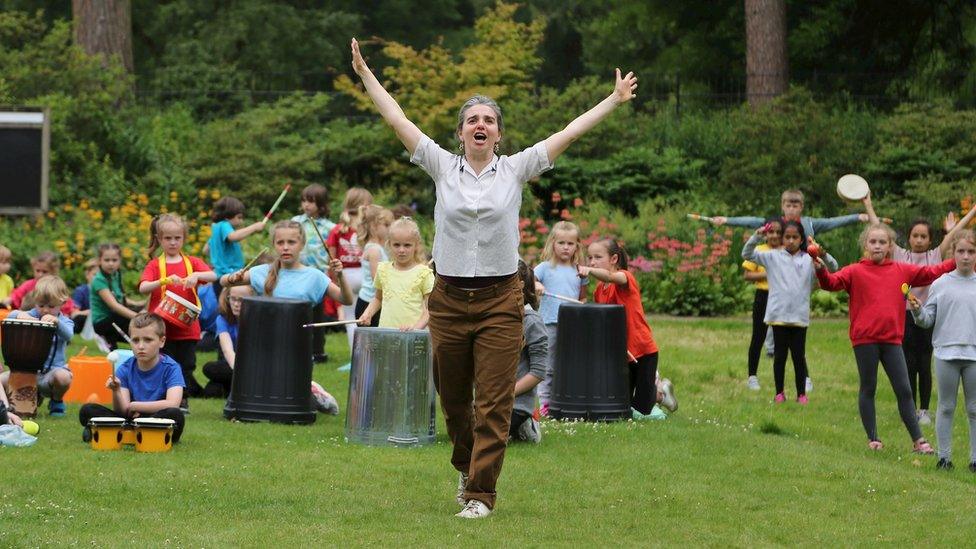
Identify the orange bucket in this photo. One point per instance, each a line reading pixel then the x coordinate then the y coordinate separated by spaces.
pixel 176 310
pixel 89 374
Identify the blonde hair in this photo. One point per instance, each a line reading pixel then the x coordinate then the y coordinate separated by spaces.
pixel 91 265
pixel 369 216
pixel 355 198
pixel 272 280
pixel 549 250
pixel 862 240
pixel 5 253
pixel 48 259
pixel 50 289
pixel 157 222
pixel 965 234
pixel 792 194
pixel 409 225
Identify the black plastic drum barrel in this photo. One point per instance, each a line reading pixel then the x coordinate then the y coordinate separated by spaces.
pixel 591 381
pixel 273 370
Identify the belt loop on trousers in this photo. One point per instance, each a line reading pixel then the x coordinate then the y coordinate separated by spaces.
pixel 475 294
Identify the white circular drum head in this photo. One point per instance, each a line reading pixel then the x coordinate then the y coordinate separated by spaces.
pixel 154 422
pixel 852 187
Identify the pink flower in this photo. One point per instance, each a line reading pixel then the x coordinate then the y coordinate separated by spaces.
pixel 556 197
pixel 565 214
pixel 577 202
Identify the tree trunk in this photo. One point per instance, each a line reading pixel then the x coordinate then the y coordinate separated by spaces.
pixel 767 66
pixel 104 27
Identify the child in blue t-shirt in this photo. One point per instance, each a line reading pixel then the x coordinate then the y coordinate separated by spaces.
pixel 286 277
pixel 149 384
pixel 54 379
pixel 558 277
pixel 221 371
pixel 226 233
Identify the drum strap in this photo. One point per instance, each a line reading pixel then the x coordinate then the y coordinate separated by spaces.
pixel 165 281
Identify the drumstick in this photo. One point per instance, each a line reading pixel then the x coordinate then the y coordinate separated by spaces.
pixel 562 297
pixel 324 245
pixel 631 357
pixel 253 261
pixel 121 333
pixel 277 202
pixel 698 217
pixel 327 324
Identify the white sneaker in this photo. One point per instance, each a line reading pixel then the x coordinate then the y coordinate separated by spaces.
pixel 474 509
pixel 667 395
pixel 753 383
pixel 462 484
pixel 529 431
pixel 924 418
pixel 809 385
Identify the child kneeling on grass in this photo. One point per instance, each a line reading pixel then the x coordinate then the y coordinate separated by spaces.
pixel 532 364
pixel 49 296
pixel 149 384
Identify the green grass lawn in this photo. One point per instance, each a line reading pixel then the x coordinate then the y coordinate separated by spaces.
pixel 729 468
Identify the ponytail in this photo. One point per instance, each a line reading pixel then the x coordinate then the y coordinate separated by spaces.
pixel 272 280
pixel 614 248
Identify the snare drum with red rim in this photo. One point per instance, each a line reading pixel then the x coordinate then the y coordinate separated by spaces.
pixel 176 310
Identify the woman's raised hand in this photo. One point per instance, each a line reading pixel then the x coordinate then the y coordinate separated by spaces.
pixel 358 63
pixel 626 87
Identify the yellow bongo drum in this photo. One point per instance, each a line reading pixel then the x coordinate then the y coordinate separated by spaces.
pixel 106 433
pixel 154 434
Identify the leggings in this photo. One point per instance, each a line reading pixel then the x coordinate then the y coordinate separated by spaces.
pixel 105 329
pixel 361 308
pixel 643 389
pixel 790 340
pixel 917 346
pixel 184 352
pixel 759 330
pixel 948 373
pixel 354 279
pixel 219 375
pixel 893 360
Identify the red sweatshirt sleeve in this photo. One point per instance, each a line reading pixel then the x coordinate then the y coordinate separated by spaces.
pixel 835 282
pixel 928 274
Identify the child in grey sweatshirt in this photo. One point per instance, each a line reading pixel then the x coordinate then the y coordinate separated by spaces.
pixel 951 309
pixel 790 274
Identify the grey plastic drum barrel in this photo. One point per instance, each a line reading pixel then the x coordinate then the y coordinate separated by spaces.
pixel 591 381
pixel 273 369
pixel 391 389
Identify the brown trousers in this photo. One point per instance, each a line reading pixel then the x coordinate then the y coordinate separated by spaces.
pixel 477 337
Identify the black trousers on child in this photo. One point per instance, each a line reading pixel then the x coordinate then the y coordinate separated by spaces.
pixel 917 346
pixel 893 360
pixel 643 389
pixel 220 374
pixel 89 411
pixel 184 351
pixel 790 340
pixel 361 308
pixel 758 330
pixel 105 329
pixel 518 418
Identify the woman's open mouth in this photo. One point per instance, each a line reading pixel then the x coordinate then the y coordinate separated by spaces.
pixel 480 138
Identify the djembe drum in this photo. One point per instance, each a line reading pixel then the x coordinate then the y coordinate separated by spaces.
pixel 273 370
pixel 26 346
pixel 590 380
pixel 391 388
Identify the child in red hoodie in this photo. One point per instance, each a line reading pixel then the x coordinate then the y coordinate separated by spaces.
pixel 877 311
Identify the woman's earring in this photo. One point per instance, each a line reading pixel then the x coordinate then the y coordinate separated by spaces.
pixel 461 146
pixel 496 147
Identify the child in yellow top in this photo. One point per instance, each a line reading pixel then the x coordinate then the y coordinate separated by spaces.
pixel 6 283
pixel 404 284
pixel 756 274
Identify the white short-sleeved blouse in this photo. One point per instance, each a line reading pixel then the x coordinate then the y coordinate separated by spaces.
pixel 476 216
